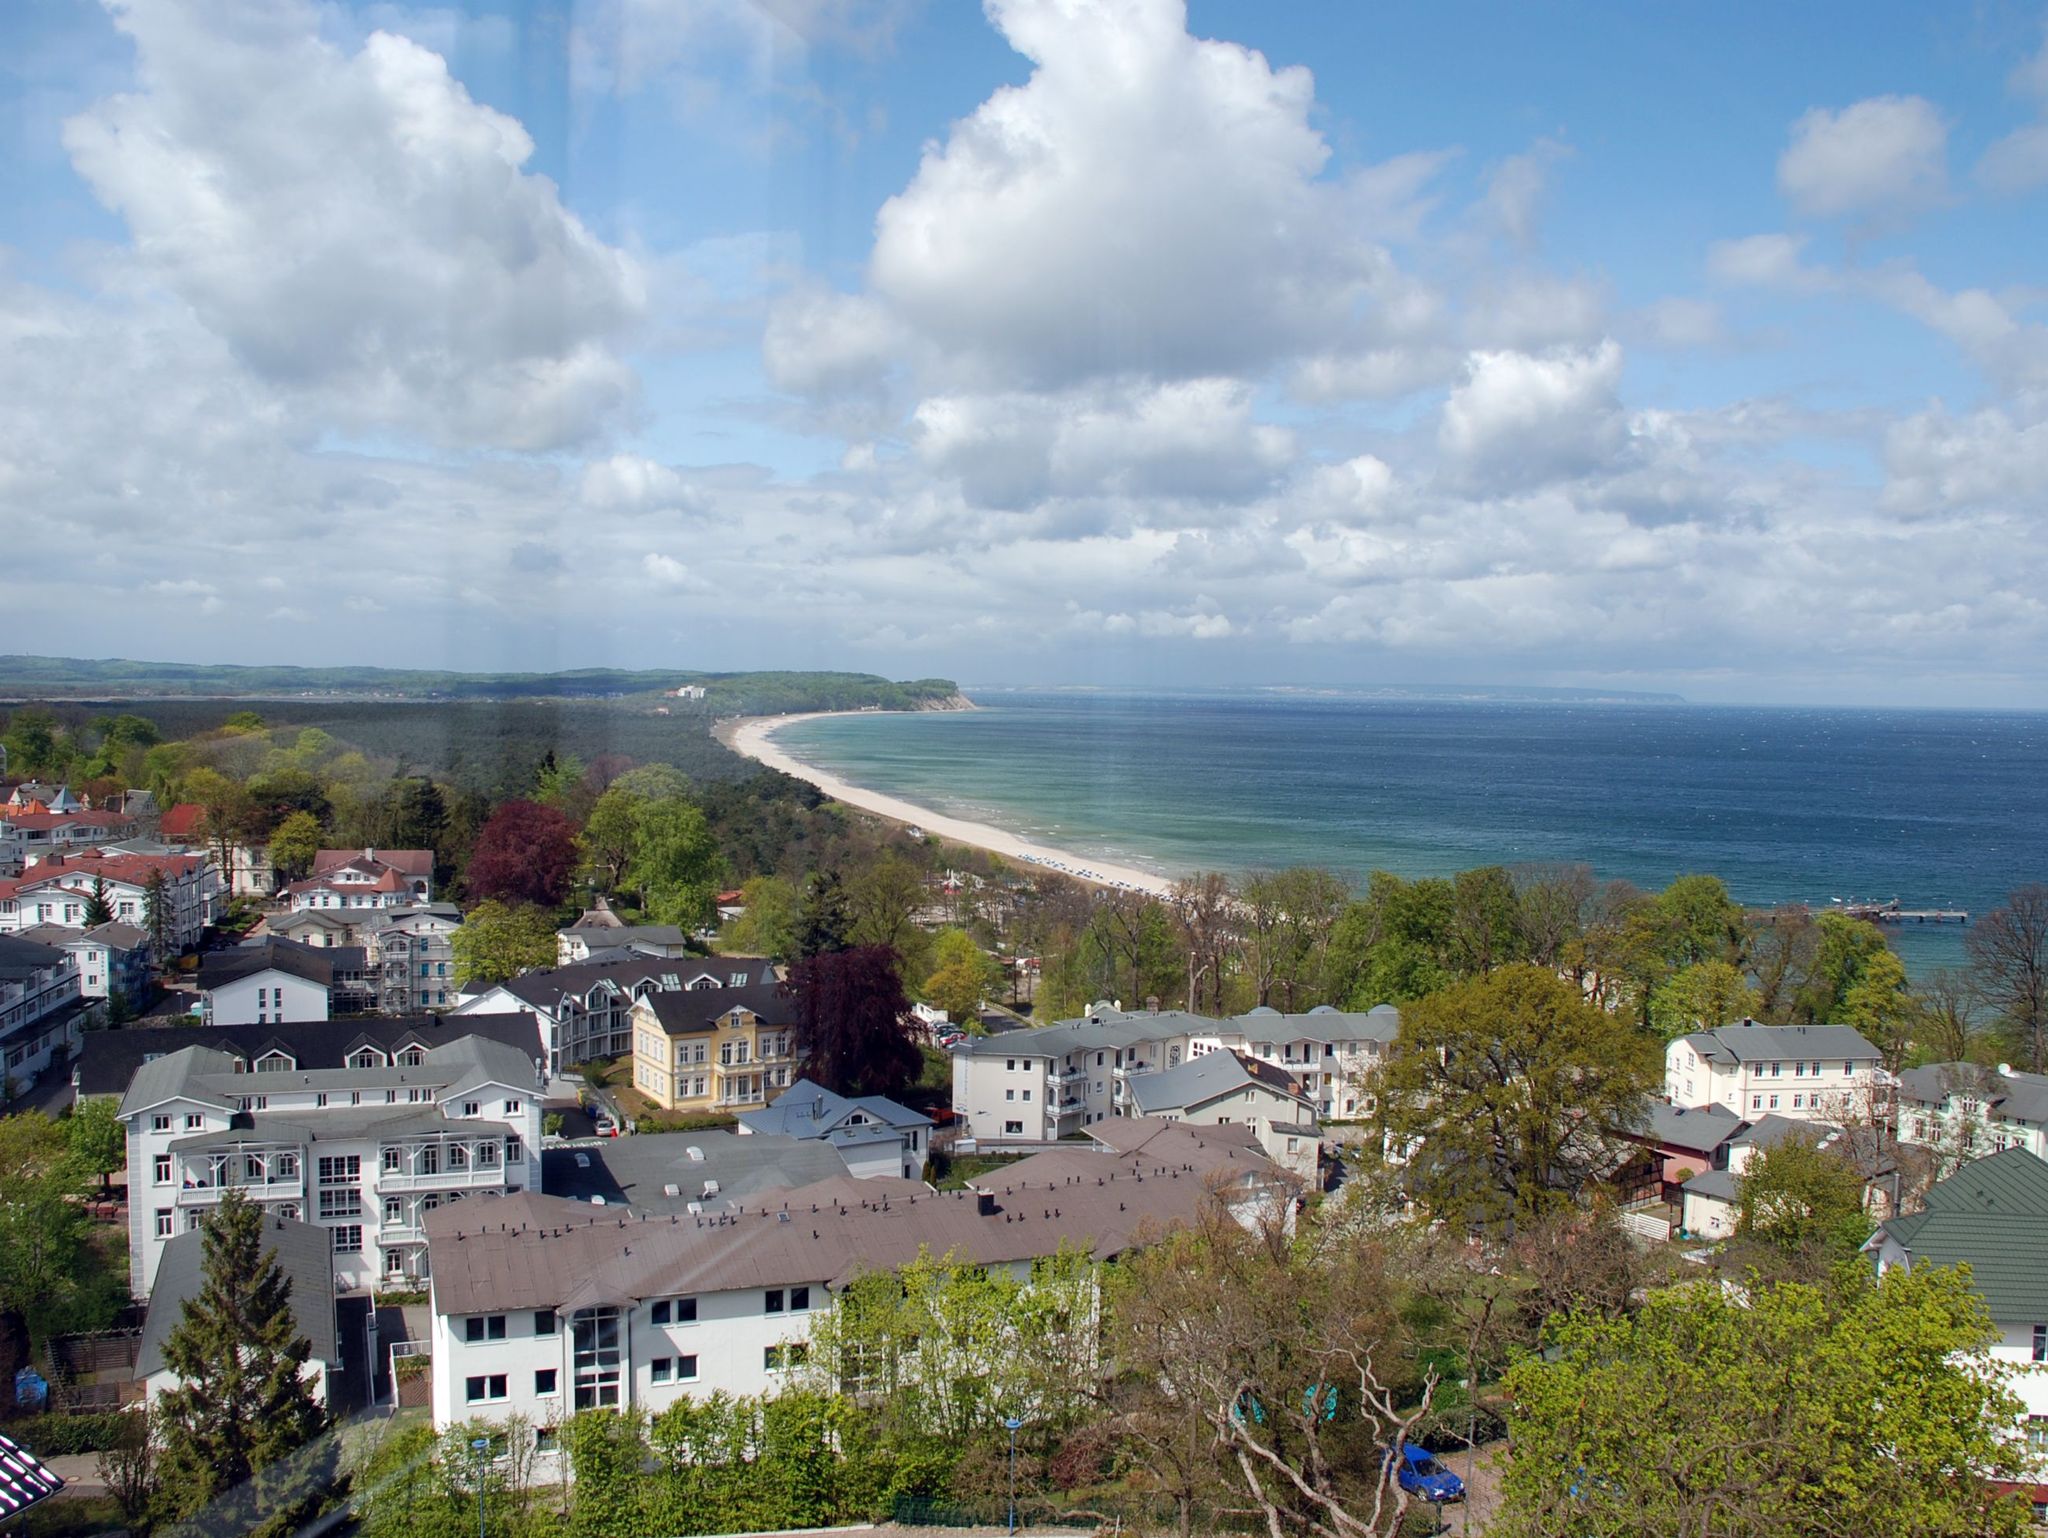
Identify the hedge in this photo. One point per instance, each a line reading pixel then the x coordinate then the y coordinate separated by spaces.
pixel 54 1436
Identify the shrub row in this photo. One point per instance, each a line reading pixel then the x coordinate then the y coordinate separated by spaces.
pixel 55 1436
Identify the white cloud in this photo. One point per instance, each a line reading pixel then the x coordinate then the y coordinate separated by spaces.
pixel 1883 157
pixel 1939 463
pixel 1516 191
pixel 1526 418
pixel 667 571
pixel 1764 261
pixel 633 483
pixel 2019 161
pixel 358 229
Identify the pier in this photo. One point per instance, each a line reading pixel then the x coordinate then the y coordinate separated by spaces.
pixel 1893 913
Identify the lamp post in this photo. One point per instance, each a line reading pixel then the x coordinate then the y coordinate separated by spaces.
pixel 479 1447
pixel 1013 1426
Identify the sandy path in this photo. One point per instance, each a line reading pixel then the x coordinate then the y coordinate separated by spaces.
pixel 754 737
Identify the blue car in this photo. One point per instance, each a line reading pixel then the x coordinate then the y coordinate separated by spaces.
pixel 1420 1474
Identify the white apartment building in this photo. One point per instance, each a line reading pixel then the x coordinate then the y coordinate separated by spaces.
pixel 114 958
pixel 366 1150
pixel 1802 1072
pixel 56 889
pixel 1965 1111
pixel 27 836
pixel 543 1307
pixel 1040 1085
pixel 39 1005
pixel 267 982
pixel 411 957
pixel 586 1011
pixel 1228 1089
pixel 366 878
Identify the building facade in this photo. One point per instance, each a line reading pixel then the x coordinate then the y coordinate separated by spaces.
pixel 874 1135
pixel 1042 1085
pixel 40 998
pixel 1802 1072
pixel 412 956
pixel 713 1049
pixel 1964 1111
pixel 365 1151
pixel 57 888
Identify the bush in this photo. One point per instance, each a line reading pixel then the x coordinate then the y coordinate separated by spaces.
pixel 57 1436
pixel 551 1124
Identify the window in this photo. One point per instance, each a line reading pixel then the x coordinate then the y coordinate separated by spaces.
pixel 1027 1094
pixel 348 1240
pixel 366 1058
pixel 163 1225
pixel 346 1202
pixel 160 1169
pixel 512 1107
pixel 481 1327
pixel 1013 1129
pixel 775 1300
pixel 341 1169
pixel 515 1151
pixel 544 1321
pixel 1010 1064
pixel 686 1368
pixel 2041 1342
pixel 594 1346
pixel 1009 1094
pixel 663 1366
pixel 472 1108
pixel 544 1439
pixel 194 1122
pixel 776 1358
pixel 320 1101
pixel 1774 1102
pixel 1756 1102
pixel 544 1380
pixel 159 1123
pixel 799 1300
pixel 658 1314
pixel 1797 1101
pixel 485 1387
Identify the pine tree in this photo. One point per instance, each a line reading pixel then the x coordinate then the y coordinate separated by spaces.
pixel 98 909
pixel 824 922
pixel 242 1402
pixel 157 918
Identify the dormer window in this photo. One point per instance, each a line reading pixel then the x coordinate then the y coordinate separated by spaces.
pixel 366 1057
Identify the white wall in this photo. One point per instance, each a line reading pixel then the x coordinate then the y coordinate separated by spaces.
pixel 267 997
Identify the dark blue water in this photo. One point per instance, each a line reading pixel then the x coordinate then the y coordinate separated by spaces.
pixel 1938 808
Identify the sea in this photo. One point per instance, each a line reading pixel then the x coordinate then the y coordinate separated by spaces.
pixel 1936 808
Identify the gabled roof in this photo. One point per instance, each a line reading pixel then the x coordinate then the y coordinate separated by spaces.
pixel 1108 1029
pixel 409 862
pixel 2011 1093
pixel 809 1110
pixel 20 958
pixel 182 822
pixel 449 1070
pixel 546 988
pixel 108 1061
pixel 1695 1129
pixel 1991 1215
pixel 1203 1079
pixel 304 1254
pixel 309 963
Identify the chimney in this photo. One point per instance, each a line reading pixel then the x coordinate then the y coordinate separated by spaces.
pixel 985 1203
pixel 1152 1003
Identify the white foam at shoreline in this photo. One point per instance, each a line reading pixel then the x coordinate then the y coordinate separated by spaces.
pixel 753 737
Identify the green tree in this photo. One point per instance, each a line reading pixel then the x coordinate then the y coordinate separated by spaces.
pixel 1881 1005
pixel 158 919
pixel 963 974
pixel 242 722
pixel 295 844
pixel 498 940
pixel 607 1450
pixel 823 926
pixel 1843 948
pixel 2009 969
pixel 1850 1407
pixel 675 864
pixel 96 1138
pixel 1503 1094
pixel 47 1270
pixel 31 742
pixel 1704 996
pixel 242 1401
pixel 99 908
pixel 608 838
pixel 771 923
pixel 1800 1199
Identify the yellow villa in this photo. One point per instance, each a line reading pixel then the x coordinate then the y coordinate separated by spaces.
pixel 714 1049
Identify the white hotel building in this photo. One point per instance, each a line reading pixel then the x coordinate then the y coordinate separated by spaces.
pixel 1040 1086
pixel 366 1151
pixel 1800 1072
pixel 543 1307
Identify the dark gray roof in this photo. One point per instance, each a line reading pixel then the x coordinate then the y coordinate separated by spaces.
pixel 637 1171
pixel 808 1110
pixel 2011 1093
pixel 448 1068
pixel 699 1009
pixel 108 1060
pixel 1202 1079
pixel 623 936
pixel 1748 1042
pixel 1694 1128
pixel 304 1253
pixel 1769 1131
pixel 20 959
pixel 545 988
pixel 1991 1215
pixel 313 963
pixel 527 1251
pixel 1714 1183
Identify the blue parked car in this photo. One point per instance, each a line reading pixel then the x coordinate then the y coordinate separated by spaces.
pixel 1420 1474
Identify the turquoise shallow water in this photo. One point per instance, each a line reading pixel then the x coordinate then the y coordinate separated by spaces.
pixel 1938 808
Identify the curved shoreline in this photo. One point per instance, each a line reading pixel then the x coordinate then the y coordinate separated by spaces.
pixel 753 737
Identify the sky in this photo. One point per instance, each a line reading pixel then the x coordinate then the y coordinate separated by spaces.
pixel 1684 347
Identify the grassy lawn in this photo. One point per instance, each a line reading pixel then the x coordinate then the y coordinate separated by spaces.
pixel 968 1167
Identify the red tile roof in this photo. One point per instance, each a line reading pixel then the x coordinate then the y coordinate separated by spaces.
pixel 182 820
pixel 413 862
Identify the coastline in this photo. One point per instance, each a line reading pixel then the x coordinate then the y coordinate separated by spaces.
pixel 754 737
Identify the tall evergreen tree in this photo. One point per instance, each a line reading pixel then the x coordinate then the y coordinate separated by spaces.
pixel 825 922
pixel 850 1014
pixel 157 918
pixel 242 1402
pixel 98 909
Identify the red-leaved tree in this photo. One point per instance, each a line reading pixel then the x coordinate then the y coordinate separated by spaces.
pixel 525 853
pixel 851 1009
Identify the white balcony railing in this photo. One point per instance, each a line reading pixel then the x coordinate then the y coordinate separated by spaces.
pixel 441 1180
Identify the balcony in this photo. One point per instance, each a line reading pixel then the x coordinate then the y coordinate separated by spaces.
pixel 1060 1077
pixel 404 1231
pixel 441 1180
pixel 292 1189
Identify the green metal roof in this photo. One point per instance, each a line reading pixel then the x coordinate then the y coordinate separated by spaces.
pixel 1991 1215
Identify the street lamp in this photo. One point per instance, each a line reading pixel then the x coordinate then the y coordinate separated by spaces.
pixel 479 1447
pixel 1013 1426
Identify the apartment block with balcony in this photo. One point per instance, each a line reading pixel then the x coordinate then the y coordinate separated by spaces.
pixel 412 957
pixel 1800 1072
pixel 364 1151
pixel 40 998
pixel 724 1049
pixel 1039 1086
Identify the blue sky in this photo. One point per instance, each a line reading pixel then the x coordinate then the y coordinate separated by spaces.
pixel 1052 341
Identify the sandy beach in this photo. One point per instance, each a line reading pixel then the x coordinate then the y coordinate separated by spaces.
pixel 754 737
